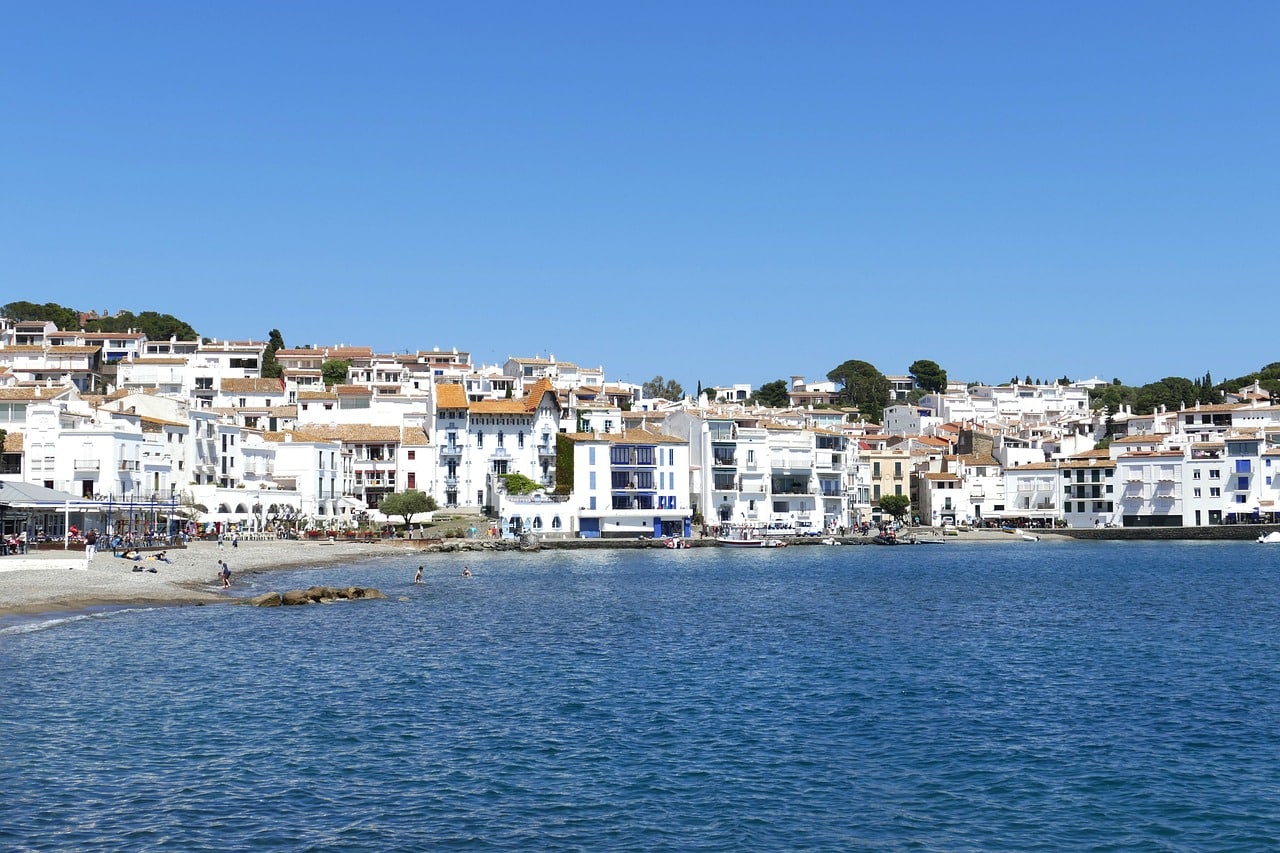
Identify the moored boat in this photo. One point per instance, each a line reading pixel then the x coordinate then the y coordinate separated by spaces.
pixel 1272 538
pixel 748 537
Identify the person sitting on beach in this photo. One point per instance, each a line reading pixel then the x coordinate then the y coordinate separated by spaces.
pixel 163 557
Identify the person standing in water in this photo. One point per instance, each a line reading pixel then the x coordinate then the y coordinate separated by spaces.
pixel 418 577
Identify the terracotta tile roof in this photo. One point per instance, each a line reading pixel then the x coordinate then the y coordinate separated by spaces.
pixel 352 433
pixel 346 353
pixel 352 391
pixel 499 407
pixel 1216 407
pixel 161 422
pixel 978 459
pixel 414 437
pixel 941 476
pixel 1087 463
pixel 112 336
pixel 34 392
pixel 253 386
pixel 630 436
pixel 1141 439
pixel 316 395
pixel 451 395
pixel 13 442
pixel 156 359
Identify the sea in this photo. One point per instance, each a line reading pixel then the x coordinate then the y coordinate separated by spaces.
pixel 965 696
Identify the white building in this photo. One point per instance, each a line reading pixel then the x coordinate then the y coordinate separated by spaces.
pixel 628 485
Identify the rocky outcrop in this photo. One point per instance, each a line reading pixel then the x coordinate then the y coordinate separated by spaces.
pixel 315 595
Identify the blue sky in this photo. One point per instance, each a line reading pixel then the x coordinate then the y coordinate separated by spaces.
pixel 713 192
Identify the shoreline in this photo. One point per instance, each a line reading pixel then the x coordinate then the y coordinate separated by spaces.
pixel 59 582
pixel 55 582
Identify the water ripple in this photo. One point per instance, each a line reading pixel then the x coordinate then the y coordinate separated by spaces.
pixel 1091 697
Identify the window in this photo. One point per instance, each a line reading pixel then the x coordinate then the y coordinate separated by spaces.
pixel 1214 474
pixel 500 438
pixel 1243 484
pixel 411 455
pixel 1240 498
pixel 1195 475
pixel 591 482
pixel 479 439
pixel 520 443
pixel 1215 492
pixel 1195 493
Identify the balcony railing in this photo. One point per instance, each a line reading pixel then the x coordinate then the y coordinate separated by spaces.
pixel 87 464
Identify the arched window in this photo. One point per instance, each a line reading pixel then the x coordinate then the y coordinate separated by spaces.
pixel 555 523
pixel 537 522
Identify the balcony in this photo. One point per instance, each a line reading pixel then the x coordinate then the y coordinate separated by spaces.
pixel 451 450
pixel 546 450
pixel 87 464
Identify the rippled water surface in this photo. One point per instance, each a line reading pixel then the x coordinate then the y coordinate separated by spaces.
pixel 1011 696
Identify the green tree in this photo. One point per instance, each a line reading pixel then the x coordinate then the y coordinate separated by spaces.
pixel 863 386
pixel 64 318
pixel 774 394
pixel 270 367
pixel 895 505
pixel 667 389
pixel 928 375
pixel 157 327
pixel 407 504
pixel 519 484
pixel 334 371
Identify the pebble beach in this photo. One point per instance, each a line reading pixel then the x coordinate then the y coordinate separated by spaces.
pixel 51 581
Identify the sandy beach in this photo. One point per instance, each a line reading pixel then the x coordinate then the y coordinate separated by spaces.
pixel 52 581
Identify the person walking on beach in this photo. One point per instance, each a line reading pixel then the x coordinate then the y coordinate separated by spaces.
pixel 418 577
pixel 90 545
pixel 225 574
pixel 235 539
pixel 221 538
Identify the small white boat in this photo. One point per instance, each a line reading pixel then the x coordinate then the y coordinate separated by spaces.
pixel 1027 537
pixel 1272 538
pixel 749 542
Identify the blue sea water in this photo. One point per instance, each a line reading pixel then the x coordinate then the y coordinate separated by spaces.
pixel 1004 696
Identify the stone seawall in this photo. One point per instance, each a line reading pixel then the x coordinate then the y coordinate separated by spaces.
pixel 1216 533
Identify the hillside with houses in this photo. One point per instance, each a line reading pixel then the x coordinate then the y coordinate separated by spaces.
pixel 255 436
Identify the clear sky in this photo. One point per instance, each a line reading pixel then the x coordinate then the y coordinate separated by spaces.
pixel 714 192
